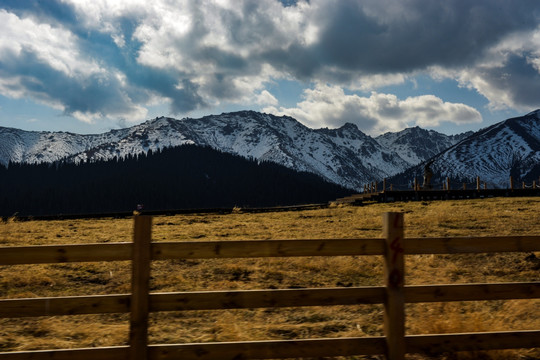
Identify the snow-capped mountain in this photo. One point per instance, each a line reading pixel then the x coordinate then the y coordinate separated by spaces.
pixel 345 156
pixel 415 144
pixel 36 147
pixel 508 148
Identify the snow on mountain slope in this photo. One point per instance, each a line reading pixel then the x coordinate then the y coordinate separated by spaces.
pixel 415 144
pixel 35 147
pixel 345 156
pixel 285 141
pixel 508 148
pixel 378 160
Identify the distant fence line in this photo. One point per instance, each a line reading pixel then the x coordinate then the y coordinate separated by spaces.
pixel 169 212
pixel 394 295
pixel 415 185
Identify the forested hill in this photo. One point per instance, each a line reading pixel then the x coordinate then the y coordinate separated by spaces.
pixel 184 177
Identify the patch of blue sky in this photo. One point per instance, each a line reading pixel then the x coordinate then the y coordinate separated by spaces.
pixel 29 115
pixel 287 92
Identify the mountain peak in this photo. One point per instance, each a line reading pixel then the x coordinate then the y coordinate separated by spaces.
pixel 347 130
pixel 349 126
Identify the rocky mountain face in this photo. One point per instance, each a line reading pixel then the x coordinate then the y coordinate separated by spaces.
pixel 344 156
pixel 508 148
pixel 415 144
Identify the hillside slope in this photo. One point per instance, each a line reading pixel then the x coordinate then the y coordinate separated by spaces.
pixel 176 178
pixel 508 148
pixel 345 156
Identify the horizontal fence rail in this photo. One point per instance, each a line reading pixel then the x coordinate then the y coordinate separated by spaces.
pixel 250 299
pixel 297 348
pixel 393 295
pixel 49 254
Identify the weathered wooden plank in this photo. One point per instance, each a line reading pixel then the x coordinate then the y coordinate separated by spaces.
pixel 140 288
pixel 208 300
pixel 245 299
pixel 203 300
pixel 263 248
pixel 436 344
pixel 394 278
pixel 72 305
pixel 103 353
pixel 472 292
pixel 431 344
pixel 459 245
pixel 266 248
pixel 64 253
pixel 313 348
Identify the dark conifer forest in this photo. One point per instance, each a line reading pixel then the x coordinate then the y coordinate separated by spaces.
pixel 186 177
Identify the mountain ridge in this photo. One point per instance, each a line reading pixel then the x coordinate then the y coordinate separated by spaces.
pixel 184 177
pixel 495 153
pixel 345 155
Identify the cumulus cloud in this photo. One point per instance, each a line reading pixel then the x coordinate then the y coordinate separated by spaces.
pixel 54 46
pixel 45 63
pixel 265 98
pixel 515 84
pixel 378 37
pixel 329 106
pixel 510 76
pixel 113 58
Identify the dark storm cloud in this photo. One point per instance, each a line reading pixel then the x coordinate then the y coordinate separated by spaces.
pixel 252 25
pixel 186 98
pixel 95 94
pixel 222 59
pixel 517 78
pixel 141 80
pixel 296 59
pixel 404 36
pixel 192 54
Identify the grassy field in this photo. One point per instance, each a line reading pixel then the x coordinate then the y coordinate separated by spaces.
pixel 482 217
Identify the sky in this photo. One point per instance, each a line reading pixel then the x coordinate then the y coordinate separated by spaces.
pixel 90 66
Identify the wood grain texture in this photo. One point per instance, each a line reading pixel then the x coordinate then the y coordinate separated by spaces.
pixel 140 288
pixel 65 253
pixel 394 278
pixel 312 348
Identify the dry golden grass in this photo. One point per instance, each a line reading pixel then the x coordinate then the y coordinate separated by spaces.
pixel 498 216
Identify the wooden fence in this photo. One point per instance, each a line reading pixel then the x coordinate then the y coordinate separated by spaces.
pixel 394 295
pixel 372 187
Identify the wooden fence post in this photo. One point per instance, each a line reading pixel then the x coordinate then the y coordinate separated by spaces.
pixel 140 287
pixel 478 183
pixel 394 306
pixel 511 183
